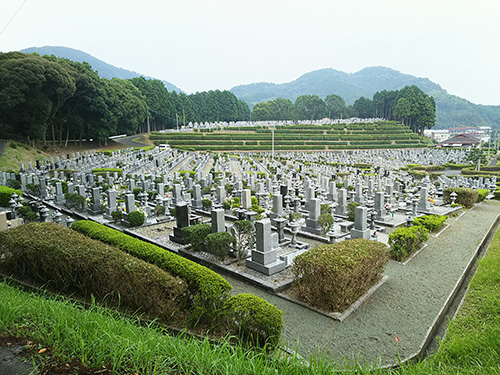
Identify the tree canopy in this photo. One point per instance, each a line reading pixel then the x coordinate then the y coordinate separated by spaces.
pixel 46 98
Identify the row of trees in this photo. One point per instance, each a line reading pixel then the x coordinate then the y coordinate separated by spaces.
pixel 410 105
pixel 55 99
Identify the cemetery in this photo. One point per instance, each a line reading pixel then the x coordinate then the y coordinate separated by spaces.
pixel 267 222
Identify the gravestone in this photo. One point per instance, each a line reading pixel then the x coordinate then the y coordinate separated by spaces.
pixel 182 218
pixel 218 221
pixel 341 208
pixel 264 257
pixel 312 224
pixel 361 229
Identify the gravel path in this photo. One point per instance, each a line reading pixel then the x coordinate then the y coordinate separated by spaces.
pixel 396 318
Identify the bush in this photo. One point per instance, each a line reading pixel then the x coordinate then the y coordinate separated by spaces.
pixel 206 203
pixel 351 208
pixel 325 221
pixel 465 196
pixel 430 222
pixel 196 235
pixel 332 277
pixel 219 244
pixel 47 253
pixel 404 241
pixel 136 218
pixel 208 288
pixel 244 234
pixel 6 193
pixel 75 199
pixel 27 214
pixel 254 320
pixel 482 194
pixel 117 216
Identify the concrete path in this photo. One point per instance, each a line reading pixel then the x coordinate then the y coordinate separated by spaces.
pixel 129 141
pixel 395 320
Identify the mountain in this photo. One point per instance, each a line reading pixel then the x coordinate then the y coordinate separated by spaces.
pixel 105 70
pixel 450 110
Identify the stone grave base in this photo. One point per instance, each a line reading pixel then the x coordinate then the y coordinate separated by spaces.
pixel 356 233
pixel 268 269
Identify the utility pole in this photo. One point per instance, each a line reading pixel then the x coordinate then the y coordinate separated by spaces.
pixel 177 118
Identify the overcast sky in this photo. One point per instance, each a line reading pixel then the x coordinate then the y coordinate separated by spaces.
pixel 201 45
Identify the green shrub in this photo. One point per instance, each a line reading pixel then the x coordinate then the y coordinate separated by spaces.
pixel 27 214
pixel 244 234
pixel 117 216
pixel 14 184
pixel 75 199
pixel 254 320
pixel 430 222
pixel 206 203
pixel 196 235
pixel 405 241
pixel 219 244
pixel 496 194
pixel 465 196
pixel 6 193
pixel 136 218
pixel 482 194
pixel 351 208
pixel 332 277
pixel 69 262
pixel 325 221
pixel 208 288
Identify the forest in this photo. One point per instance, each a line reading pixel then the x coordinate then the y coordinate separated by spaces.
pixel 52 99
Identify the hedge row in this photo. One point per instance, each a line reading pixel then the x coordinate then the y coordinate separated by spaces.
pixel 69 262
pixel 253 319
pixel 430 222
pixel 332 277
pixel 405 241
pixel 208 288
pixel 465 196
pixel 102 171
pixel 6 193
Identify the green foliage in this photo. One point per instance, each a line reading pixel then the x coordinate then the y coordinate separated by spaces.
pixel 27 214
pixel 196 235
pixel 405 241
pixel 117 216
pixel 208 288
pixel 75 199
pixel 482 194
pixel 14 184
pixel 71 262
pixel 136 218
pixel 326 221
pixel 430 222
pixel 206 203
pixel 465 196
pixel 326 209
pixel 351 208
pixel 244 234
pixel 6 193
pixel 254 320
pixel 332 277
pixel 219 244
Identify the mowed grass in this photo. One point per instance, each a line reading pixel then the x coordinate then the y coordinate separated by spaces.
pixel 100 337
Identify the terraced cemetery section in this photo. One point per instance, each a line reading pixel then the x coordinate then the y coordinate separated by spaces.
pixel 383 134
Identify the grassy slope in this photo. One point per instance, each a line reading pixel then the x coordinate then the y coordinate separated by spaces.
pixel 22 153
pixel 98 338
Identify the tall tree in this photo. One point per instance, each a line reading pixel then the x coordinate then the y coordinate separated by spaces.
pixel 309 107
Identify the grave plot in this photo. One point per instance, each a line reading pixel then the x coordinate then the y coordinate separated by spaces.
pixel 249 214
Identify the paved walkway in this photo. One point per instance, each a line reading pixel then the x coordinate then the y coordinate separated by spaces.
pixel 394 321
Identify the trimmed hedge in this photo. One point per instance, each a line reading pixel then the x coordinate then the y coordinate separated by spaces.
pixel 405 241
pixel 465 196
pixel 69 262
pixel 482 194
pixel 332 277
pixel 254 320
pixel 208 288
pixel 196 235
pixel 6 193
pixel 430 222
pixel 219 244
pixel 102 171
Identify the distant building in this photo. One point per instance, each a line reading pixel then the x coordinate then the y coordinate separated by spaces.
pixel 437 135
pixel 460 140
